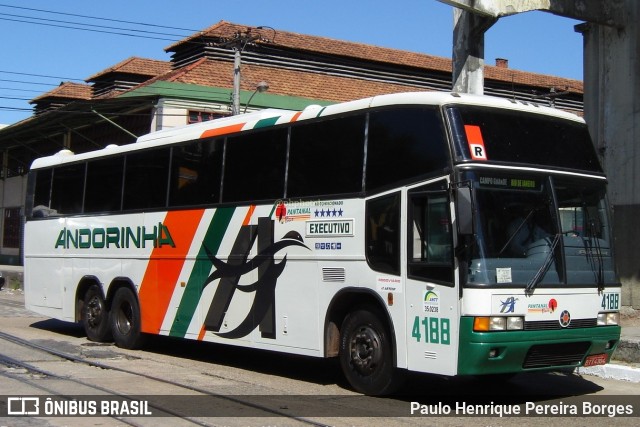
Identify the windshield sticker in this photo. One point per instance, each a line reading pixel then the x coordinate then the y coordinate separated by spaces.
pixel 476 143
pixel 503 275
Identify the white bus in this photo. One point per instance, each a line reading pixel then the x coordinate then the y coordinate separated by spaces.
pixel 427 232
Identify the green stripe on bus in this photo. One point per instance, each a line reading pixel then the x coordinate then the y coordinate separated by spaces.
pixel 201 270
pixel 266 122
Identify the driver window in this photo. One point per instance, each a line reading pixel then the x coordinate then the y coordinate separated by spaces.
pixel 430 236
pixel 383 233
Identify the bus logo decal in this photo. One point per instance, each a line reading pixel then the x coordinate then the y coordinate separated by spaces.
pixel 509 305
pixel 565 318
pixel 296 211
pixel 262 311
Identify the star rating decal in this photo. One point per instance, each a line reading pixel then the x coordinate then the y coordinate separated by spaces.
pixel 328 213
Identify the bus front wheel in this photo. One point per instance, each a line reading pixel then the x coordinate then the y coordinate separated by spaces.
pixel 125 319
pixel 366 355
pixel 95 316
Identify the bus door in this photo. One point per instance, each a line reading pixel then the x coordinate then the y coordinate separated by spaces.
pixel 430 295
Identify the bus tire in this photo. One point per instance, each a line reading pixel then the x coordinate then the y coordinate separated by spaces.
pixel 125 320
pixel 95 315
pixel 366 353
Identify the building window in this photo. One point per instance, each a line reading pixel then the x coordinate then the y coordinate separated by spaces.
pixel 11 232
pixel 202 116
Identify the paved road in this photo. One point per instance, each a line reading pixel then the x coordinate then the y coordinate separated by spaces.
pixel 311 389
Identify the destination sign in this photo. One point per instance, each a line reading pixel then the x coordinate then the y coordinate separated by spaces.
pixel 516 183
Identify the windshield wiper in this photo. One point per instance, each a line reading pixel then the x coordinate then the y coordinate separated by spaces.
pixel 594 250
pixel 537 278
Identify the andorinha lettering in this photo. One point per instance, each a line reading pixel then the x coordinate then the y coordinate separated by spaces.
pixel 115 237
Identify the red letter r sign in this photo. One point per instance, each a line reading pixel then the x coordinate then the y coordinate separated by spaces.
pixel 475 141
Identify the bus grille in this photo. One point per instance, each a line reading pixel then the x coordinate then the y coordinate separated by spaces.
pixel 549 325
pixel 546 355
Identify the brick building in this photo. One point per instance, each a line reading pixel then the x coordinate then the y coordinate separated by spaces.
pixel 138 95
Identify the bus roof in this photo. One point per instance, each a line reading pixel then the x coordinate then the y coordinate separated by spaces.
pixel 272 117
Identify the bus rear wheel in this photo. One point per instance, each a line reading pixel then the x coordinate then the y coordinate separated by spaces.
pixel 366 355
pixel 125 320
pixel 95 315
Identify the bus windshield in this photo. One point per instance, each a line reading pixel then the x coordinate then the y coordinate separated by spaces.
pixel 540 231
pixel 511 136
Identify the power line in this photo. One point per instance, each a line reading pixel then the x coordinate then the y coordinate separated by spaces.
pixel 40 75
pixel 99 18
pixel 25 82
pixel 86 29
pixel 12 97
pixel 89 25
pixel 19 90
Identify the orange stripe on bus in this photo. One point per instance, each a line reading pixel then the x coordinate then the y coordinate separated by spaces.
pixel 201 334
pixel 247 218
pixel 164 267
pixel 222 131
pixel 295 116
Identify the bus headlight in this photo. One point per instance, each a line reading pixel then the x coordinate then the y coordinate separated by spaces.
pixel 498 323
pixel 515 323
pixel 608 319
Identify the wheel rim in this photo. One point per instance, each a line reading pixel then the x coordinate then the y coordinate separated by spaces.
pixel 365 350
pixel 95 312
pixel 124 319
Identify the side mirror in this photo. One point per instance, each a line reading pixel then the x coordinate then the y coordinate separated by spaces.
pixel 464 211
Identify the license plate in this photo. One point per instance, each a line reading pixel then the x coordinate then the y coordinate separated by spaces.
pixel 595 359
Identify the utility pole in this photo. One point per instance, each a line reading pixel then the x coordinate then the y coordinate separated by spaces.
pixel 239 42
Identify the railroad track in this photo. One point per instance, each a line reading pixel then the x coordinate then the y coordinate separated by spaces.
pixel 36 374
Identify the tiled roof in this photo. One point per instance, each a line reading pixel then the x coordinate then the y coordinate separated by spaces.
pixel 370 53
pixel 66 90
pixel 281 81
pixel 136 65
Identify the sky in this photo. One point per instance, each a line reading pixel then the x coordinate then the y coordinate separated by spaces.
pixel 46 42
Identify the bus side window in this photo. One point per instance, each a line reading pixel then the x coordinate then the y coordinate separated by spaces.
pixel 383 233
pixel 104 185
pixel 255 166
pixel 67 188
pixel 430 254
pixel 145 182
pixel 404 144
pixel 39 194
pixel 196 170
pixel 326 157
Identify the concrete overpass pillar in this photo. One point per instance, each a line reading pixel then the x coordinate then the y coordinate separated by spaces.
pixel 612 110
pixel 468 50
